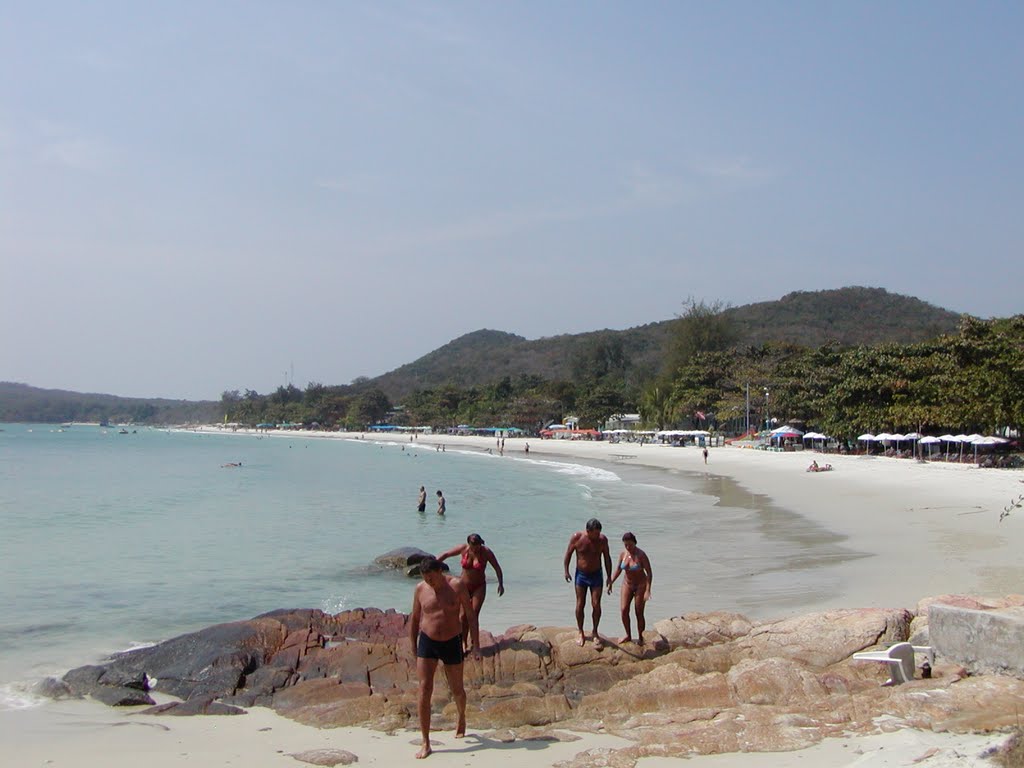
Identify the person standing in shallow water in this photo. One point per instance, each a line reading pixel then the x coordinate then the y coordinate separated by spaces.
pixel 636 586
pixel 435 626
pixel 591 548
pixel 421 503
pixel 441 505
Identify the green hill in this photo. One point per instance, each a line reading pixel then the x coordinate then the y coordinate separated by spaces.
pixel 848 316
pixel 22 403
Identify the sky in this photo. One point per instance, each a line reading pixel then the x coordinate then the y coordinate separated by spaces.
pixel 198 197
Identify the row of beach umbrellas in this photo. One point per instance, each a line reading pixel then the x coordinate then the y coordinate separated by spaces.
pixel 974 439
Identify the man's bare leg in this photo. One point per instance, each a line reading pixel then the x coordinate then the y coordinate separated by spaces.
pixel 581 597
pixel 456 685
pixel 425 669
pixel 595 608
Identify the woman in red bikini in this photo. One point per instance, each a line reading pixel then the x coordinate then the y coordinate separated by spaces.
pixel 475 557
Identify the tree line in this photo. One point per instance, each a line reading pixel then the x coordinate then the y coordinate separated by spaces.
pixel 971 380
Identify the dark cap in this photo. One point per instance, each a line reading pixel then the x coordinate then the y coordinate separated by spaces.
pixel 474 538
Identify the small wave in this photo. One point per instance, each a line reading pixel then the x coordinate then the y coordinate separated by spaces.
pixel 19 696
pixel 578 470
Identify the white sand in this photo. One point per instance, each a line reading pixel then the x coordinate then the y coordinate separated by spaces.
pixel 929 528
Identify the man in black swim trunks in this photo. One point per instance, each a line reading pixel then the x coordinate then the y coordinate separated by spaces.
pixel 435 630
pixel 591 547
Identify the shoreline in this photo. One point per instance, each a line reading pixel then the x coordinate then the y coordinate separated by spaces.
pixel 924 530
pixel 918 529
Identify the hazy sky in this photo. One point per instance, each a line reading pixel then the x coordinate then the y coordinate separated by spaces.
pixel 201 196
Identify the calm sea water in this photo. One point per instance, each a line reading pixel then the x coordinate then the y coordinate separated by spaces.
pixel 112 540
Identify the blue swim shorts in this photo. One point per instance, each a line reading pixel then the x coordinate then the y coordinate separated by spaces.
pixel 592 580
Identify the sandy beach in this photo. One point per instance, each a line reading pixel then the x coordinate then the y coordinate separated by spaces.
pixel 925 529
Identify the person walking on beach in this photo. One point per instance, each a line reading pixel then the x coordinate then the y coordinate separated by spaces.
pixel 636 586
pixel 435 633
pixel 475 557
pixel 421 504
pixel 705 454
pixel 440 504
pixel 591 548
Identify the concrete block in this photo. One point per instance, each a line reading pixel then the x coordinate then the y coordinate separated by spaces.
pixel 983 642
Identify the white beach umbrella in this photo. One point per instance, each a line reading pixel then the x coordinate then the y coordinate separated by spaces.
pixel 912 436
pixel 980 440
pixel 929 440
pixel 866 436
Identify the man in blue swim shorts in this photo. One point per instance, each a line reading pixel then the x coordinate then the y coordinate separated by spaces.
pixel 591 549
pixel 435 631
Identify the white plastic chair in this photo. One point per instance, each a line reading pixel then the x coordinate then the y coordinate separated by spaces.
pixel 900 658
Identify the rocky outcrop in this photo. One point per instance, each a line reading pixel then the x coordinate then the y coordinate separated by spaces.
pixel 405 559
pixel 703 683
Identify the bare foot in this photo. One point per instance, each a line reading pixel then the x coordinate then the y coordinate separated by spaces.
pixel 598 642
pixel 640 640
pixel 581 640
pixel 425 751
pixel 460 729
pixel 627 639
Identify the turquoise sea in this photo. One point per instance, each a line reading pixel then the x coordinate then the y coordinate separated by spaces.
pixel 111 540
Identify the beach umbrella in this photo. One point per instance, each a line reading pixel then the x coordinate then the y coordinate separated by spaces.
pixel 980 440
pixel 962 438
pixel 948 438
pixel 930 440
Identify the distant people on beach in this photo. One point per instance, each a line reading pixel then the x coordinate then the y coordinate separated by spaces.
pixel 815 468
pixel 475 557
pixel 636 586
pixel 435 630
pixel 705 452
pixel 441 506
pixel 591 550
pixel 526 448
pixel 421 503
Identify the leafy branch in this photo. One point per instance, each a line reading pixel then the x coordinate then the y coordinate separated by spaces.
pixel 1014 504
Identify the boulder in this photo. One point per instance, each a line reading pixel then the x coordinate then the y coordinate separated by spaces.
pixel 822 639
pixel 401 558
pixel 213 661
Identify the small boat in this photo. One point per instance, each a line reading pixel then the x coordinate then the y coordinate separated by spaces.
pixel 123 432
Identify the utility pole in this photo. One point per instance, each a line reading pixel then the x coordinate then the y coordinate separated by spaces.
pixel 747 430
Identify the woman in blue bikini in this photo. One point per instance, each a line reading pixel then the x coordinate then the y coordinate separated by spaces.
pixel 475 557
pixel 635 564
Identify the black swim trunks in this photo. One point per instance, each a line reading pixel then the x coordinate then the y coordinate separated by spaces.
pixel 448 651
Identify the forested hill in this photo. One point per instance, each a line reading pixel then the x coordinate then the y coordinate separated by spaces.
pixel 20 402
pixel 848 316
